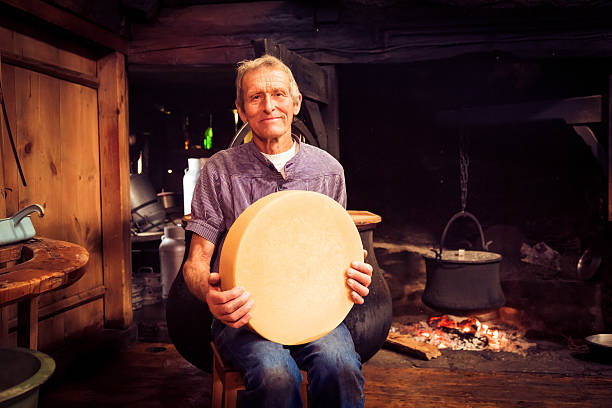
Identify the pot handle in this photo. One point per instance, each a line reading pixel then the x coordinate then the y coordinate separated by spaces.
pixel 461 214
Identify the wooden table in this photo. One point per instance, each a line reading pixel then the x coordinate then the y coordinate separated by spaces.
pixel 29 269
pixel 365 222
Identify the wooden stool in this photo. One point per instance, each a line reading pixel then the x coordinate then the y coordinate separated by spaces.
pixel 227 382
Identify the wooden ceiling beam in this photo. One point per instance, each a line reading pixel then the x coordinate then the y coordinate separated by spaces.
pixel 70 22
pixel 49 69
pixel 573 111
pixel 222 34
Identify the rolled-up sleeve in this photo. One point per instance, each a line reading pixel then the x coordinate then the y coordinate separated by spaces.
pixel 206 213
pixel 340 193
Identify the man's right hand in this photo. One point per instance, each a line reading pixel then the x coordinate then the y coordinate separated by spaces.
pixel 232 306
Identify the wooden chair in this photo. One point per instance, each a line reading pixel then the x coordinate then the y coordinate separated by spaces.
pixel 189 322
pixel 227 382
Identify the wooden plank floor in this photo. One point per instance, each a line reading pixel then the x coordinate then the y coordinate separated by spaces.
pixel 144 378
pixel 424 387
pixel 147 375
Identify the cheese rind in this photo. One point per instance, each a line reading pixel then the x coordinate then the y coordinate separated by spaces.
pixel 290 250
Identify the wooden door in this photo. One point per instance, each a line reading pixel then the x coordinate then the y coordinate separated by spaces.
pixel 73 160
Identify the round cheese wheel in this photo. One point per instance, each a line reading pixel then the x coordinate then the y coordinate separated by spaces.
pixel 290 250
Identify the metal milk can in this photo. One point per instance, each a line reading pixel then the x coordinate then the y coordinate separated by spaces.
pixel 171 252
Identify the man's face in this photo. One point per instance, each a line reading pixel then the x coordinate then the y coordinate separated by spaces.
pixel 268 105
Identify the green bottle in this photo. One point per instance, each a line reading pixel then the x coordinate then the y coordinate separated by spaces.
pixel 208 135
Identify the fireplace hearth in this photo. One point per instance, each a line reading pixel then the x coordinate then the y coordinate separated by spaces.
pixel 466 333
pixel 542 303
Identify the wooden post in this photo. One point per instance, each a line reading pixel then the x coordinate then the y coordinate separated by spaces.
pixel 330 114
pixel 610 148
pixel 27 323
pixel 320 102
pixel 2 184
pixel 115 193
pixel 313 115
pixel 4 318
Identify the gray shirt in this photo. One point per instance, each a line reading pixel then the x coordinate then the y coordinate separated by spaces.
pixel 235 178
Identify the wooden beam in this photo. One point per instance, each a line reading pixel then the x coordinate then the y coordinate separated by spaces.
pixel 349 47
pixel 518 4
pixel 221 34
pixel 610 149
pixel 573 111
pixel 330 113
pixel 314 85
pixel 4 325
pixel 591 141
pixel 71 302
pixel 27 329
pixel 115 183
pixel 49 69
pixel 313 115
pixel 188 31
pixel 3 187
pixel 310 77
pixel 61 306
pixel 205 52
pixel 70 22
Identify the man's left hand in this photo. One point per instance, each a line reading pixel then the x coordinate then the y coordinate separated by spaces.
pixel 359 277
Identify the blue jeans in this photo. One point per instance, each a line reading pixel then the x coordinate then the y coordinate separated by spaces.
pixel 272 371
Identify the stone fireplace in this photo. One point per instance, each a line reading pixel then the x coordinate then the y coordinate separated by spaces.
pixel 534 182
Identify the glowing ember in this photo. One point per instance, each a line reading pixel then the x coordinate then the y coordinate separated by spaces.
pixel 464 333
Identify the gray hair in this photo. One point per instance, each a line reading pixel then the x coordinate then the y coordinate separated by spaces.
pixel 267 61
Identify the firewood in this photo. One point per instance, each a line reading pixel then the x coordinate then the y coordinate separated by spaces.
pixel 406 344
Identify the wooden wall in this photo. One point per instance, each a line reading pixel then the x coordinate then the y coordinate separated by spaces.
pixel 68 118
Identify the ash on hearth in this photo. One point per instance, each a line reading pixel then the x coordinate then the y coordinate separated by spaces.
pixel 464 333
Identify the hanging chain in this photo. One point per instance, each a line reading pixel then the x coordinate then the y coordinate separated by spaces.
pixel 464 163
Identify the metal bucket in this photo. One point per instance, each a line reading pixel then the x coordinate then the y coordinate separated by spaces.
pixel 147 213
pixel 463 281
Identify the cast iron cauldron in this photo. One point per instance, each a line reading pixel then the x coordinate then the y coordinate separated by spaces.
pixel 189 319
pixel 463 281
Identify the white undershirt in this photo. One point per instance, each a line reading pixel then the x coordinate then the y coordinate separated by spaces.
pixel 279 160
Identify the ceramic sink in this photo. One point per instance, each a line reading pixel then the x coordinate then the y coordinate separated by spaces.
pixel 19 227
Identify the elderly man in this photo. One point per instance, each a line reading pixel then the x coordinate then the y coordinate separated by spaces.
pixel 267 97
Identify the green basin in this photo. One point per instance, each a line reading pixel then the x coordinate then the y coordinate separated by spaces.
pixel 23 372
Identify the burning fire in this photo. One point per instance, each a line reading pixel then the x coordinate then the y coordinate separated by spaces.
pixel 463 333
pixel 469 326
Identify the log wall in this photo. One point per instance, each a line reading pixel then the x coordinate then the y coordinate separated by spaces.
pixel 73 158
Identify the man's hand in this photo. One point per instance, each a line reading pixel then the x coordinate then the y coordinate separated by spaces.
pixel 359 277
pixel 232 306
